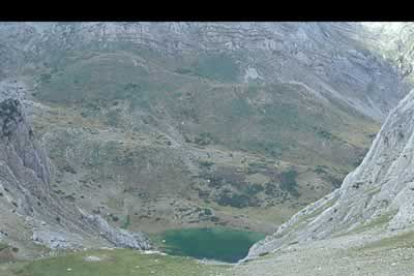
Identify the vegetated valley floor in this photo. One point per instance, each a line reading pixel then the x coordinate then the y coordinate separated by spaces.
pixel 187 152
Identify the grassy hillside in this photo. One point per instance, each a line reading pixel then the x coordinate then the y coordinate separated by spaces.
pixel 141 132
pixel 111 262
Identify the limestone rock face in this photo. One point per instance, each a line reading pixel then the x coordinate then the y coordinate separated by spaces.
pixel 24 167
pixel 381 189
pixel 393 40
pixel 25 176
pixel 328 57
pixel 118 237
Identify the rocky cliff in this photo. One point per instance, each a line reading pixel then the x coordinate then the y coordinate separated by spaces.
pixel 394 41
pixel 379 193
pixel 26 200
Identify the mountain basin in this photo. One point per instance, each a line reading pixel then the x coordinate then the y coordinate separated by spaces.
pixel 218 243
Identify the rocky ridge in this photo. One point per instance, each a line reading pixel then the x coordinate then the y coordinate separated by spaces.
pixel 328 57
pixel 377 194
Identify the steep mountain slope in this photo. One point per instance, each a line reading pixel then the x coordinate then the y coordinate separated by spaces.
pixel 29 212
pixel 156 125
pixel 376 196
pixel 393 40
pixel 330 54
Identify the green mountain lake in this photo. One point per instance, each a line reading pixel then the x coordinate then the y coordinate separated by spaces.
pixel 221 244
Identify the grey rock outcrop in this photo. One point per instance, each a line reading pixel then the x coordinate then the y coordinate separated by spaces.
pixel 379 192
pixel 118 237
pixel 393 40
pixel 56 240
pixel 24 167
pixel 25 177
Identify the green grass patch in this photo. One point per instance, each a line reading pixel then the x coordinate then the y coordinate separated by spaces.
pixel 127 222
pixel 405 240
pixel 288 182
pixel 3 246
pixel 116 262
pixel 217 67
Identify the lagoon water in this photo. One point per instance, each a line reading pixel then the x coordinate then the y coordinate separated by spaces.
pixel 221 244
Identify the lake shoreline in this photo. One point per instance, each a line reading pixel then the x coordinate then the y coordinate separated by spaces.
pixel 207 245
